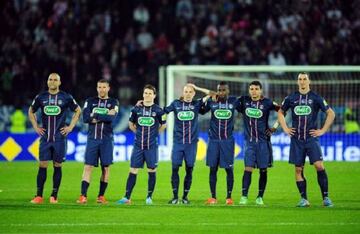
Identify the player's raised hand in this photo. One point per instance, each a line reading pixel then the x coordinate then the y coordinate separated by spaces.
pixel 290 131
pixel 66 130
pixel 139 103
pixel 316 132
pixel 270 131
pixel 112 112
pixel 40 131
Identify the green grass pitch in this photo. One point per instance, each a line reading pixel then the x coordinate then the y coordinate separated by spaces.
pixel 17 215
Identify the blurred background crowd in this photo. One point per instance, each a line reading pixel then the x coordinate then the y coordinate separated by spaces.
pixel 125 42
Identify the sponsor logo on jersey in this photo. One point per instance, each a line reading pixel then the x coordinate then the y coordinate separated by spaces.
pixel 100 111
pixel 253 113
pixel 146 121
pixel 186 115
pixel 302 110
pixel 52 110
pixel 223 114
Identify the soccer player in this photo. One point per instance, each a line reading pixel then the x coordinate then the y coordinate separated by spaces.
pixel 146 122
pixel 305 105
pixel 53 105
pixel 186 132
pixel 99 112
pixel 220 150
pixel 258 151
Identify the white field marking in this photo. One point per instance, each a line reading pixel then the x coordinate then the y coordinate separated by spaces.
pixel 175 224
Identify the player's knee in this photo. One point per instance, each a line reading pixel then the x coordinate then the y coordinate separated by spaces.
pixel 151 169
pixel 263 170
pixel 134 170
pixel 213 169
pixel 319 166
pixel 57 164
pixel 43 164
pixel 249 169
pixel 189 169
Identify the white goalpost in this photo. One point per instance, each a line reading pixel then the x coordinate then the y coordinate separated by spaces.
pixel 339 85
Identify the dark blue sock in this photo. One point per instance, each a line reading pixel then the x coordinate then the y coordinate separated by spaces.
pixel 323 182
pixel 40 181
pixel 302 188
pixel 175 181
pixel 246 181
pixel 262 182
pixel 131 181
pixel 102 189
pixel 187 181
pixel 56 181
pixel 151 183
pixel 229 181
pixel 84 187
pixel 212 181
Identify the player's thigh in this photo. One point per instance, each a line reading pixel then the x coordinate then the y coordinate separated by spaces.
pixel 250 154
pixel 264 155
pixel 177 155
pixel 313 150
pixel 45 150
pixel 151 157
pixel 297 152
pixel 190 154
pixel 59 153
pixel 106 152
pixel 137 158
pixel 213 153
pixel 92 152
pixel 227 151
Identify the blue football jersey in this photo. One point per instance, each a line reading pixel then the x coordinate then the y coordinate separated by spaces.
pixel 148 119
pixel 304 110
pixel 53 108
pixel 256 116
pixel 222 117
pixel 97 109
pixel 186 127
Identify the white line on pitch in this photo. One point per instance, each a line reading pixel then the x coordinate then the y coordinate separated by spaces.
pixel 175 224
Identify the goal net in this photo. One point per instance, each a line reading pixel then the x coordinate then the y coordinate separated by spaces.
pixel 339 85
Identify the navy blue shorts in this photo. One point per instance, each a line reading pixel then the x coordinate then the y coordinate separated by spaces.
pixel 139 156
pixel 299 149
pixel 55 151
pixel 220 153
pixel 258 154
pixel 99 149
pixel 185 152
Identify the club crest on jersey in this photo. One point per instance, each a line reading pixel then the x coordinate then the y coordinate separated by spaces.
pixel 52 110
pixel 108 105
pixel 223 114
pixel 186 115
pixel 253 113
pixel 146 121
pixel 310 101
pixel 153 114
pixel 60 102
pixel 231 106
pixel 302 110
pixel 100 111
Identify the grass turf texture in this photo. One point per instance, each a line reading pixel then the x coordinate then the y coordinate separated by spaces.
pixel 18 184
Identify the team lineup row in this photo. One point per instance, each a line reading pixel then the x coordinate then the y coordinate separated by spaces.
pixel 147 119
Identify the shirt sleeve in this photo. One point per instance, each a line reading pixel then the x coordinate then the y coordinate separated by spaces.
pixel 322 104
pixel 133 115
pixel 161 115
pixel 239 104
pixel 87 112
pixel 274 106
pixel 170 108
pixel 72 103
pixel 285 104
pixel 35 104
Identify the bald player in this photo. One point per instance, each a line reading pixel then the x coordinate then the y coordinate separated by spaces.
pixel 53 105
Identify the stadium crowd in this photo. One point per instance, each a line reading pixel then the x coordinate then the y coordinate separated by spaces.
pixel 125 42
